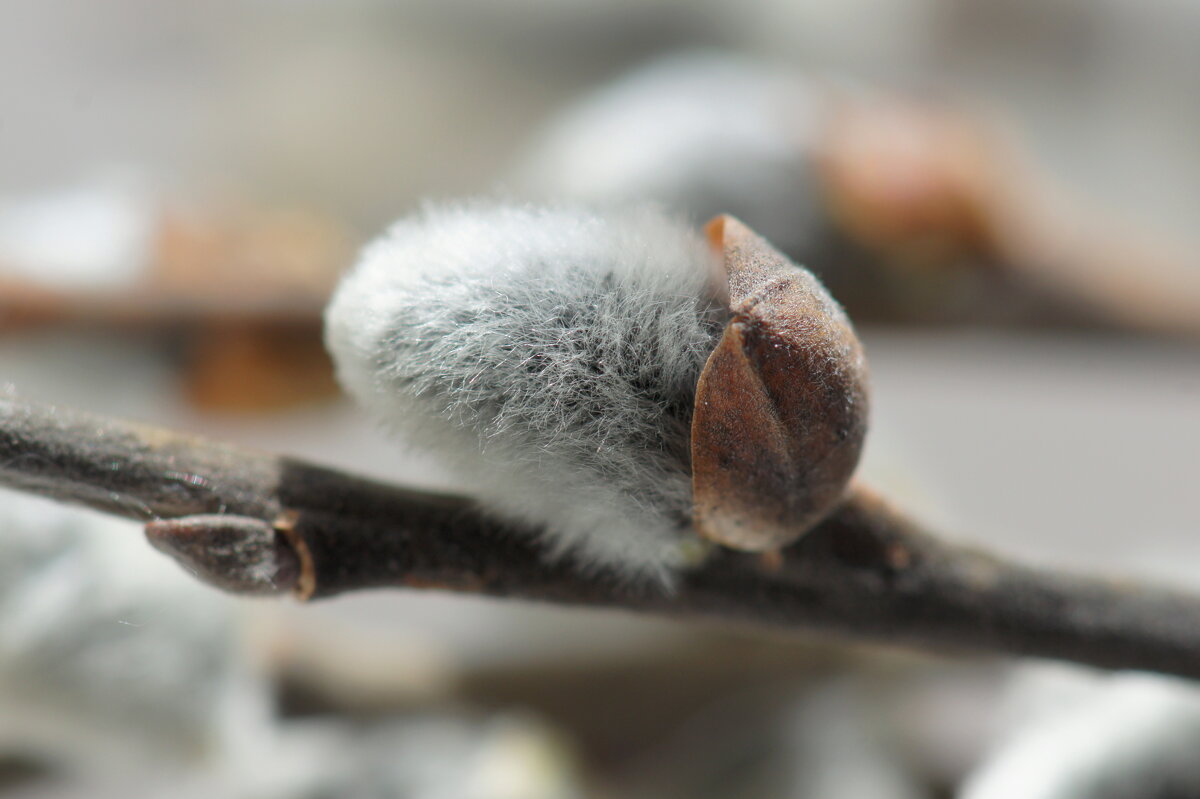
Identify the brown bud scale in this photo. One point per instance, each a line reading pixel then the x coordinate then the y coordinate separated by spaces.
pixel 781 406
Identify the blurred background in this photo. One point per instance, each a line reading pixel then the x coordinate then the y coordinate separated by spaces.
pixel 1003 194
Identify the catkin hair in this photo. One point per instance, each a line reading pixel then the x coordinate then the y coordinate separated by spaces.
pixel 550 356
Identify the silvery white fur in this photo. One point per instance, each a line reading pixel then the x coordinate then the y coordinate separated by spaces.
pixel 550 355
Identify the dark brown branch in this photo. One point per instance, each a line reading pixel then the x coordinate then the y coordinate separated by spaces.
pixel 864 573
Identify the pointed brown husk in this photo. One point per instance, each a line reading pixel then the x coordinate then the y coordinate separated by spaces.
pixel 781 406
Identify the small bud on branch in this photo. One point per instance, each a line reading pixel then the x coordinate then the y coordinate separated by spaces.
pixel 612 381
pixel 781 406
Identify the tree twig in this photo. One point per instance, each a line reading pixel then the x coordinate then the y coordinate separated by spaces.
pixel 256 523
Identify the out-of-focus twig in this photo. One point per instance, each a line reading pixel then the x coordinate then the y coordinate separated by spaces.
pixel 866 572
pixel 941 199
pixel 241 292
pixel 199 268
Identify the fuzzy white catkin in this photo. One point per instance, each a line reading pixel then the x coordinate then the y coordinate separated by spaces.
pixel 550 356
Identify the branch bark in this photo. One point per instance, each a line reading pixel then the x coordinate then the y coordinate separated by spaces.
pixel 258 523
